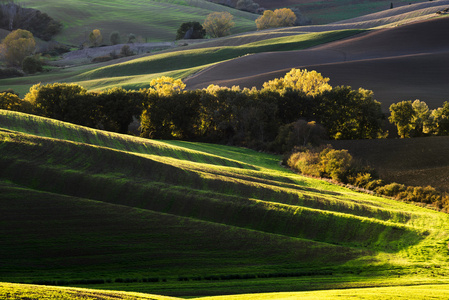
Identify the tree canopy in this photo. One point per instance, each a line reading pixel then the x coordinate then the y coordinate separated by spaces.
pixel 218 24
pixel 283 17
pixel 17 45
pixel 190 30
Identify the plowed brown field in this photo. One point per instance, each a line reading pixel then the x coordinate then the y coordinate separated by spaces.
pixel 402 63
pixel 416 162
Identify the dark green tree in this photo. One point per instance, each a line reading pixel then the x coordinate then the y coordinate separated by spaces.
pixel 114 38
pixel 190 30
pixel 350 114
pixel 117 107
pixel 402 114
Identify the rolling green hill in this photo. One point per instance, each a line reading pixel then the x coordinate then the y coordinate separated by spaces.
pixel 151 20
pixel 83 207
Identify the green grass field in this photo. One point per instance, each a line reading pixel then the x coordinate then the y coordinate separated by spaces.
pixel 151 20
pixel 19 291
pixel 88 208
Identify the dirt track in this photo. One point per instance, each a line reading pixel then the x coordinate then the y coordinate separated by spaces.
pixel 402 63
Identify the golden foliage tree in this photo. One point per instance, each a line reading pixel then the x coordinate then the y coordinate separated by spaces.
pixel 218 24
pixel 283 17
pixel 18 45
pixel 165 86
pixel 311 83
pixel 95 38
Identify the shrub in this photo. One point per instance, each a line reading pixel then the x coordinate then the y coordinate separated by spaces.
pixel 335 163
pixel 10 101
pixel 32 64
pixel 10 72
pixel 126 51
pixel 115 38
pixel 391 190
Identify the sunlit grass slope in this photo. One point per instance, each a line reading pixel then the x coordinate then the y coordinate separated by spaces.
pixel 79 203
pixel 21 291
pixel 12 291
pixel 151 20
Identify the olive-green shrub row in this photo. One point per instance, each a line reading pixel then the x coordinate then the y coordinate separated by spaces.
pixel 340 166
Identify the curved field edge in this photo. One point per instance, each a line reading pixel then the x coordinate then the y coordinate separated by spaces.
pixel 184 59
pixel 436 291
pixel 14 291
pixel 429 291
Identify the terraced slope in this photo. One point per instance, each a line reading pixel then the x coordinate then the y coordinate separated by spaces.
pixel 125 213
pixel 401 63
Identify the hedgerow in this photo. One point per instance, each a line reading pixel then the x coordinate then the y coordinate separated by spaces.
pixel 276 118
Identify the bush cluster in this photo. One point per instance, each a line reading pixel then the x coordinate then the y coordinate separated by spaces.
pixel 340 166
pixel 10 72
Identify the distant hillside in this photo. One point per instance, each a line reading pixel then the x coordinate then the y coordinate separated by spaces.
pixel 331 11
pixel 150 21
pixel 88 207
pixel 400 63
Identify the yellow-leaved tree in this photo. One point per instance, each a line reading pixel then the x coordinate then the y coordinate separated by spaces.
pixel 95 38
pixel 17 45
pixel 283 17
pixel 311 83
pixel 166 86
pixel 218 24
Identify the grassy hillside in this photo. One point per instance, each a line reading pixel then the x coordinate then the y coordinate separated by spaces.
pixel 179 218
pixel 151 20
pixel 437 291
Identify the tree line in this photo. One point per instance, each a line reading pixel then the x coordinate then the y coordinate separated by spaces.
pixel 298 108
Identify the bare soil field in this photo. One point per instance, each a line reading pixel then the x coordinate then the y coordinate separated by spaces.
pixel 415 162
pixel 400 63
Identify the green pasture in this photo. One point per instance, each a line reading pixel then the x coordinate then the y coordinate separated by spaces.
pixel 184 219
pixel 434 291
pixel 151 20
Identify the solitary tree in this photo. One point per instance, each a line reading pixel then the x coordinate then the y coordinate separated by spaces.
pixel 218 24
pixel 190 30
pixel 282 17
pixel 95 38
pixel 115 38
pixel 18 45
